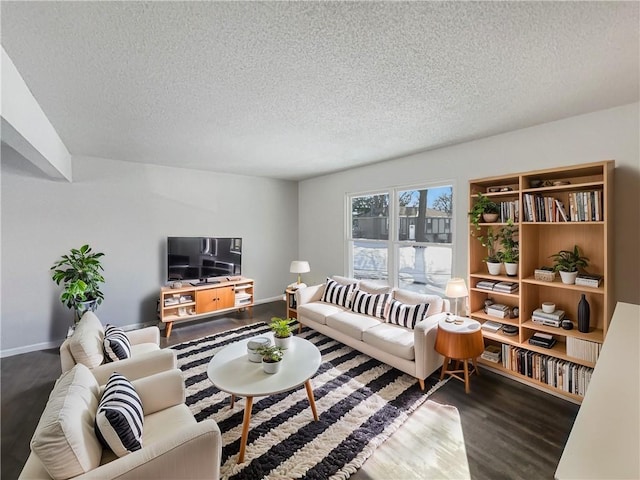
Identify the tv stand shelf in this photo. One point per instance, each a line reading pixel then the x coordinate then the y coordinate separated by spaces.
pixel 202 300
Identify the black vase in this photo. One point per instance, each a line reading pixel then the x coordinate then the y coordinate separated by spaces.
pixel 584 313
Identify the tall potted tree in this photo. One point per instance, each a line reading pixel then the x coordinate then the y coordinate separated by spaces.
pixel 79 272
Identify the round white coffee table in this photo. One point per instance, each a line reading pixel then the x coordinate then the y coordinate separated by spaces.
pixel 231 371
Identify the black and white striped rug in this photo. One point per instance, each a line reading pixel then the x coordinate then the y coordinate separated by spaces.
pixel 360 403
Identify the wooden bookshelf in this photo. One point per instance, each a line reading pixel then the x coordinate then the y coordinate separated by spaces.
pixel 539 238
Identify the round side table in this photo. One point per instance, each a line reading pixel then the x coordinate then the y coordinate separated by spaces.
pixel 460 339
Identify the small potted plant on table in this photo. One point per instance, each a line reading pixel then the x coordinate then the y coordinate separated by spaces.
pixel 282 331
pixel 568 263
pixel 271 358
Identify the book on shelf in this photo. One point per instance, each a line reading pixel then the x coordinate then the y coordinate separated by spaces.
pixel 486 284
pixel 491 326
pixel 583 349
pixel 588 280
pixel 555 315
pixel 505 287
pixel 497 313
pixel 492 353
pixel 542 340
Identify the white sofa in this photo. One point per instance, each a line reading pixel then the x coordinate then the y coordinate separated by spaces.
pixel 409 350
pixel 174 444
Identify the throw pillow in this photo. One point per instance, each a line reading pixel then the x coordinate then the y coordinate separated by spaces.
pixel 116 344
pixel 120 417
pixel 338 294
pixel 369 304
pixel 406 315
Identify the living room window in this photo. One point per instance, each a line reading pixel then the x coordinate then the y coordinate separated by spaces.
pixel 418 254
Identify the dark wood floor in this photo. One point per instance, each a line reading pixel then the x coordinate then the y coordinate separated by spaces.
pixel 511 431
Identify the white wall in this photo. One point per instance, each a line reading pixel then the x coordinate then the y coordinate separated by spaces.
pixel 607 134
pixel 127 210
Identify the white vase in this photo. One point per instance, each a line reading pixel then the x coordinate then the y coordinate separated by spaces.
pixel 568 278
pixel 271 367
pixel 511 269
pixel 283 343
pixel 494 268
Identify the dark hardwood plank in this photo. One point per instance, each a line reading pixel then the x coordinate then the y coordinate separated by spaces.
pixel 511 430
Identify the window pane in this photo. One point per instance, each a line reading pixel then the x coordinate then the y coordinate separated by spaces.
pixel 370 217
pixel 370 260
pixel 425 215
pixel 424 269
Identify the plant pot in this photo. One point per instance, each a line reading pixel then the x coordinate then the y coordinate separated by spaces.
pixel 568 278
pixel 494 268
pixel 271 367
pixel 283 343
pixel 511 269
pixel 84 307
pixel 489 217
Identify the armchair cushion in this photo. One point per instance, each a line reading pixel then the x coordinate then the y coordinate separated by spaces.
pixel 116 344
pixel 120 417
pixel 64 440
pixel 86 342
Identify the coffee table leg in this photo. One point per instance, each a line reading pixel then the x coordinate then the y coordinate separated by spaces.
pixel 312 401
pixel 248 402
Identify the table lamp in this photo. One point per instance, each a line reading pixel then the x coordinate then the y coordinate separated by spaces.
pixel 299 266
pixel 456 288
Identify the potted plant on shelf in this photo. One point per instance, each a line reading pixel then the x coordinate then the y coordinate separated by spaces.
pixel 484 209
pixel 282 331
pixel 489 241
pixel 271 358
pixel 79 271
pixel 509 254
pixel 568 263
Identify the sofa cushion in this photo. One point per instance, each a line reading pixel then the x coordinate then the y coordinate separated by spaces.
pixel 373 287
pixel 435 302
pixel 64 440
pixel 318 311
pixel 345 280
pixel 86 342
pixel 120 417
pixel 405 315
pixel 369 304
pixel 338 294
pixel 392 339
pixel 352 324
pixel 116 344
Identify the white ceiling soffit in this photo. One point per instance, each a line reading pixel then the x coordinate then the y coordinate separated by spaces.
pixel 293 90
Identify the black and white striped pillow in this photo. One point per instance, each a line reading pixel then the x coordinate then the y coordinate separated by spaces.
pixel 406 315
pixel 120 417
pixel 369 304
pixel 116 344
pixel 338 294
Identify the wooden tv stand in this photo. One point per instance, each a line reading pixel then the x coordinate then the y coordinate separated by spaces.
pixel 189 302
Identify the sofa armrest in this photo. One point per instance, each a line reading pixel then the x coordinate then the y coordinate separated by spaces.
pixel 142 365
pixel 144 335
pixel 160 391
pixel 309 294
pixel 191 452
pixel 424 338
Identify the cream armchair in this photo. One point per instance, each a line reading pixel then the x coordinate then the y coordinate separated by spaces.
pixel 174 445
pixel 85 346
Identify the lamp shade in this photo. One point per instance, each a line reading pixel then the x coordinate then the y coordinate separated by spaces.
pixel 299 266
pixel 456 288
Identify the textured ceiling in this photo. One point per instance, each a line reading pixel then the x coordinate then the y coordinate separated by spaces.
pixel 297 89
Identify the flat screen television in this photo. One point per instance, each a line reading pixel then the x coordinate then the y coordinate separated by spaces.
pixel 203 258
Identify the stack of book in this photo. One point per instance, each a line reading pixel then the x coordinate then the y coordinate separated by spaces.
pixel 491 326
pixel 492 354
pixel 505 287
pixel 583 349
pixel 542 340
pixel 486 284
pixel 552 319
pixel 498 310
pixel 588 280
